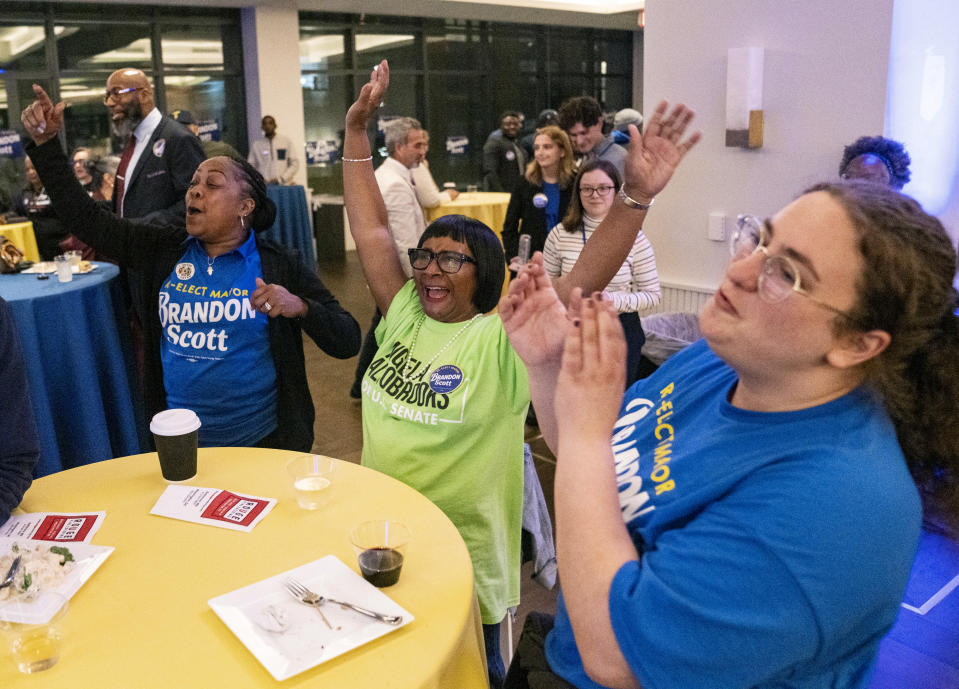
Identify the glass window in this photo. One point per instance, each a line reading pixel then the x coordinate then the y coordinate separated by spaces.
pixel 322 52
pixel 22 47
pixel 192 46
pixel 103 46
pixel 401 49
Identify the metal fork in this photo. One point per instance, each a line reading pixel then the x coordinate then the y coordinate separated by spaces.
pixel 8 579
pixel 305 596
pixel 316 600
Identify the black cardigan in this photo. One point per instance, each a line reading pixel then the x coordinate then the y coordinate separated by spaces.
pixel 534 219
pixel 153 250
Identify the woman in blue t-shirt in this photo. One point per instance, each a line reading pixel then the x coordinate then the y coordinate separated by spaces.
pixel 747 516
pixel 541 198
pixel 225 309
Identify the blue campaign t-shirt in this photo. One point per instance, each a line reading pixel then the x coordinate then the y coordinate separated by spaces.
pixel 216 350
pixel 774 548
pixel 552 205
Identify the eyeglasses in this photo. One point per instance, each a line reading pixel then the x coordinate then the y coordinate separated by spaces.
pixel 116 92
pixel 447 261
pixel 601 190
pixel 780 276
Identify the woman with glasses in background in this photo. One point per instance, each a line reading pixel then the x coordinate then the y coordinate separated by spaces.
pixel 541 198
pixel 747 516
pixel 635 287
pixel 445 398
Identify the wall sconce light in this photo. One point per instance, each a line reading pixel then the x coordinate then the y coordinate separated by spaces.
pixel 744 98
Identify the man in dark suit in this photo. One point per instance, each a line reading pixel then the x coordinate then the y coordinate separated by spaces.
pixel 159 155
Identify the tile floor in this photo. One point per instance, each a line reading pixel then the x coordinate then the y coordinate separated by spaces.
pixel 921 651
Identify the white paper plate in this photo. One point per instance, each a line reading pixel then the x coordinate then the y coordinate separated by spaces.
pixel 48 267
pixel 306 641
pixel 88 559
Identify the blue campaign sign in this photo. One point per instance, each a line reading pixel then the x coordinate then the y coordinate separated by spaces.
pixel 457 145
pixel 209 130
pixel 320 152
pixel 10 144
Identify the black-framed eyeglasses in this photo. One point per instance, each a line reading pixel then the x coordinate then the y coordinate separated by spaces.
pixel 447 261
pixel 601 190
pixel 779 277
pixel 116 92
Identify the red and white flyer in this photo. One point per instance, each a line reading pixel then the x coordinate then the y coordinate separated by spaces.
pixel 213 507
pixel 59 527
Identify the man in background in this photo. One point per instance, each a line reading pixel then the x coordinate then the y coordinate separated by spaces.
pixel 503 160
pixel 427 193
pixel 582 118
pixel 81 168
pixel 406 146
pixel 274 155
pixel 159 156
pixel 211 149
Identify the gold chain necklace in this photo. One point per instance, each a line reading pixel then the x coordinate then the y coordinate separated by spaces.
pixel 406 370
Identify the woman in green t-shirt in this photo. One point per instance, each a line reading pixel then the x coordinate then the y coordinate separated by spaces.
pixel 445 398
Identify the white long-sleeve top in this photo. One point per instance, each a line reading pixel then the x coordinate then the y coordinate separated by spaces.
pixel 635 286
pixel 427 193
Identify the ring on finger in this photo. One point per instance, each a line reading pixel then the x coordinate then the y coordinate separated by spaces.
pixel 267 306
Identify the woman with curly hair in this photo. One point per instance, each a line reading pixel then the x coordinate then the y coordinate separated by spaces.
pixel 876 159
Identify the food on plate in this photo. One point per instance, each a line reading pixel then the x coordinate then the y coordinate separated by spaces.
pixel 42 567
pixel 85 266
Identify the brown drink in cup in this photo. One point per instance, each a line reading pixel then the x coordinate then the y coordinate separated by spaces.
pixel 175 433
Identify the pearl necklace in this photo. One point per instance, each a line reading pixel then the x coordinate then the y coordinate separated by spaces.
pixel 407 369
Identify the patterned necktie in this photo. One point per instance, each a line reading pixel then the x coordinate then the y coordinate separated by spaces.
pixel 120 185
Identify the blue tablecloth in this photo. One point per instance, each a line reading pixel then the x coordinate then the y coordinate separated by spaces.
pixel 293 227
pixel 79 368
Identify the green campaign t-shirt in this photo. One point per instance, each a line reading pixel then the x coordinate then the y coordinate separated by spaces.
pixel 454 432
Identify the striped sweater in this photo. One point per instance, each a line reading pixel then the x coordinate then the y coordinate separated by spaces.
pixel 635 286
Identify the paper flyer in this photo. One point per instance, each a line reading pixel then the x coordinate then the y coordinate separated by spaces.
pixel 213 507
pixel 61 527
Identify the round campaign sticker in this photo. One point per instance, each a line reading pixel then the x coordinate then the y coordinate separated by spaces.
pixel 510 155
pixel 159 147
pixel 540 200
pixel 446 378
pixel 184 271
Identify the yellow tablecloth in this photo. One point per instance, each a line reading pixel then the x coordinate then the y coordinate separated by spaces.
pixel 488 207
pixel 142 619
pixel 21 234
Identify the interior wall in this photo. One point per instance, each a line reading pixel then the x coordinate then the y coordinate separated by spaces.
pixel 825 74
pixel 271 62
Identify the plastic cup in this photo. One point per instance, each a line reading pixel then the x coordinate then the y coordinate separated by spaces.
pixel 312 479
pixel 36 646
pixel 64 268
pixel 471 188
pixel 175 432
pixel 380 547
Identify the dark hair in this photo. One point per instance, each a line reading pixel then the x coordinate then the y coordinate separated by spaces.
pixel 574 213
pixel 906 290
pixel 486 249
pixel 264 210
pixel 509 113
pixel 582 109
pixel 892 153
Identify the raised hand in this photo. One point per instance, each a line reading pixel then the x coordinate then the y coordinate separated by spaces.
pixel 42 119
pixel 370 98
pixel 655 154
pixel 534 318
pixel 589 388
